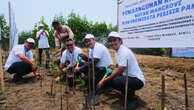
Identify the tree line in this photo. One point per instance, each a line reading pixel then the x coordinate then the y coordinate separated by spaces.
pixel 80 27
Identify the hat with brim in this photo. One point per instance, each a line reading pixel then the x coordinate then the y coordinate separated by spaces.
pixel 40 25
pixel 30 40
pixel 114 34
pixel 88 36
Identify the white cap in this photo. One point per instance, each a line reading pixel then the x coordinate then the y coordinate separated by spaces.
pixel 40 25
pixel 30 40
pixel 114 34
pixel 88 36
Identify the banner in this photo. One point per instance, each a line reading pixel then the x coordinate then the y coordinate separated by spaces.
pixel 183 52
pixel 156 23
pixel 13 29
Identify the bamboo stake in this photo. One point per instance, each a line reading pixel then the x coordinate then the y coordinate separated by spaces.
pixel 62 98
pixel 73 74
pixel 93 82
pixel 51 88
pixel 2 73
pixel 186 90
pixel 126 88
pixel 163 92
pixel 89 81
pixel 186 93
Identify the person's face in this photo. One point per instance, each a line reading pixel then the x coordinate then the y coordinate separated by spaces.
pixel 114 43
pixel 29 45
pixel 89 43
pixel 69 45
pixel 56 27
pixel 41 28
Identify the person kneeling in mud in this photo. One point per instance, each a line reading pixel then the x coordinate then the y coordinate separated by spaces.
pixel 20 61
pixel 118 77
pixel 69 55
pixel 101 59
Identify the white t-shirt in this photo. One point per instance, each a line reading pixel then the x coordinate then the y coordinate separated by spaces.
pixel 124 54
pixel 101 52
pixel 68 56
pixel 43 41
pixel 12 58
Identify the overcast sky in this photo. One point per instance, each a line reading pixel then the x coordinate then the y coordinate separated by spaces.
pixel 28 12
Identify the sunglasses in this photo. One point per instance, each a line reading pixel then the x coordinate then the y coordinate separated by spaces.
pixel 69 45
pixel 112 39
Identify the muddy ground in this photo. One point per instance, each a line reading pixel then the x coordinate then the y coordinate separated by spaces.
pixel 30 95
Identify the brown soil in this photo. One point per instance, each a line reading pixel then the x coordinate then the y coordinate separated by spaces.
pixel 29 95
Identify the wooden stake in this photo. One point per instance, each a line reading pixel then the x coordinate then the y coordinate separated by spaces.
pixel 2 73
pixel 163 92
pixel 73 74
pixel 126 88
pixel 62 98
pixel 186 93
pixel 51 88
pixel 89 81
pixel 93 82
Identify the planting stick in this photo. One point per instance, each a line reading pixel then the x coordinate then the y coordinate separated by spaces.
pixel 163 92
pixel 93 82
pixel 73 74
pixel 51 88
pixel 2 73
pixel 126 88
pixel 62 98
pixel 89 81
pixel 186 93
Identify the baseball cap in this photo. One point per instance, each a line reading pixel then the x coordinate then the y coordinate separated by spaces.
pixel 114 34
pixel 40 25
pixel 30 40
pixel 88 36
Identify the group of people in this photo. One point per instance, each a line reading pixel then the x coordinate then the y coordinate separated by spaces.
pixel 20 60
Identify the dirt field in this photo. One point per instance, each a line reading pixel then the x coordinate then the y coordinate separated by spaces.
pixel 29 95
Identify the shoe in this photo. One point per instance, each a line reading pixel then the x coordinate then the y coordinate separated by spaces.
pixel 17 78
pixel 131 104
pixel 91 101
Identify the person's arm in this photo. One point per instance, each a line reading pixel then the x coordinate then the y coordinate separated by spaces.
pixel 70 33
pixel 85 65
pixel 118 72
pixel 27 60
pixel 57 42
pixel 38 35
pixel 46 33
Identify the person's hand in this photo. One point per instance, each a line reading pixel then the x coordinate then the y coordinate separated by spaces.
pixel 34 67
pixel 76 69
pixel 100 83
pixel 37 75
pixel 64 69
pixel 83 55
pixel 112 66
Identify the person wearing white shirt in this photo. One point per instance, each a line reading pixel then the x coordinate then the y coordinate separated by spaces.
pixel 20 60
pixel 117 79
pixel 43 44
pixel 69 55
pixel 101 57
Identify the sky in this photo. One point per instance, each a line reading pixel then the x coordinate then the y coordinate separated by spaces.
pixel 29 12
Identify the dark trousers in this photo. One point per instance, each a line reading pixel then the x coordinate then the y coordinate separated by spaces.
pixel 20 68
pixel 47 56
pixel 118 83
pixel 99 73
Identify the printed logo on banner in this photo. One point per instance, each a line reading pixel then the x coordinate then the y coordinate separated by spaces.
pixel 120 1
